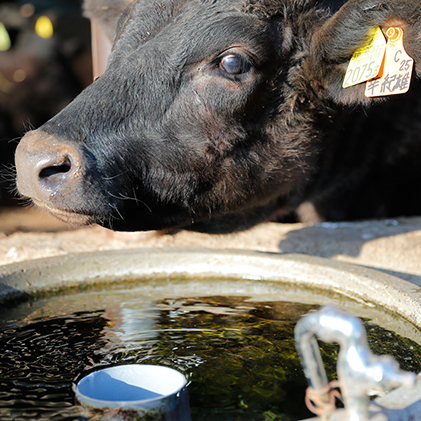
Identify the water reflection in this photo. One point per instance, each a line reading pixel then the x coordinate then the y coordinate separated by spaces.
pixel 238 351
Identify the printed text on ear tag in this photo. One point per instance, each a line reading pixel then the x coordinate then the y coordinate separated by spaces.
pixel 397 71
pixel 366 62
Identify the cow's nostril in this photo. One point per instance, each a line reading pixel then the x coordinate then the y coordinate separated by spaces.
pixel 54 169
pixel 52 174
pixel 48 170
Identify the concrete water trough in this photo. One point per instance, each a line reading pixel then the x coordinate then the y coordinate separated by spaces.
pixel 389 301
pixel 362 285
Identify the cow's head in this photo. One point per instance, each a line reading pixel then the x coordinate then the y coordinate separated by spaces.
pixel 205 115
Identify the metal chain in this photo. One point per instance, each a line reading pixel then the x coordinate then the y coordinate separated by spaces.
pixel 316 399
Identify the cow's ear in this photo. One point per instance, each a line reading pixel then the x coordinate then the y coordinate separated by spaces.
pixel 333 44
pixel 105 14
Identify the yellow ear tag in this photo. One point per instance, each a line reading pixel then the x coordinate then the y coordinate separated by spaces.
pixel 5 42
pixel 44 27
pixel 397 71
pixel 366 62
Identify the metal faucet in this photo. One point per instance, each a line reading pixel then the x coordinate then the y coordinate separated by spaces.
pixel 359 370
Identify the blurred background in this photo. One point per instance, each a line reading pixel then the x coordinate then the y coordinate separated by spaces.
pixel 45 61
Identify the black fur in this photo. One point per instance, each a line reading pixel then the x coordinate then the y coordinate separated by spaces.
pixel 169 139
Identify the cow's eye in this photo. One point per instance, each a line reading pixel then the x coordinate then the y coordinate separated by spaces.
pixel 234 64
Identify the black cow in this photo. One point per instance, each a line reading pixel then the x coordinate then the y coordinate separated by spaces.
pixel 215 115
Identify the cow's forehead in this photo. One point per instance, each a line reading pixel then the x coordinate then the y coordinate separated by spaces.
pixel 194 29
pixel 150 16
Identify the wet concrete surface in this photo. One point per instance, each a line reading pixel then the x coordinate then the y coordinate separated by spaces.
pixel 390 245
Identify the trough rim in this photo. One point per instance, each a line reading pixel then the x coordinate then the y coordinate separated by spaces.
pixel 369 286
pixel 363 285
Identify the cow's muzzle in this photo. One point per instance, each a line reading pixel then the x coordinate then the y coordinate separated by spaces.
pixel 50 172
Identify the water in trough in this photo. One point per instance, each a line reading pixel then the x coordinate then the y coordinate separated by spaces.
pixel 236 348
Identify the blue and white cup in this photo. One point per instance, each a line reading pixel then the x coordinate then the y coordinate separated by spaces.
pixel 133 392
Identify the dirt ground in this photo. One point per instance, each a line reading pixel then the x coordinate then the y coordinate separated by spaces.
pixel 391 245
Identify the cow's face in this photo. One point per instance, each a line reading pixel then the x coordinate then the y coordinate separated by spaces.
pixel 181 127
pixel 205 112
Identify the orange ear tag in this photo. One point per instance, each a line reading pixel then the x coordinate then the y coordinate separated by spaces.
pixel 397 72
pixel 366 61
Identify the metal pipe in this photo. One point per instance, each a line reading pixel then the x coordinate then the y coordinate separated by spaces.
pixel 359 370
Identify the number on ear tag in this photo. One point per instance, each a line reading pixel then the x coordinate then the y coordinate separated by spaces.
pixel 366 62
pixel 397 72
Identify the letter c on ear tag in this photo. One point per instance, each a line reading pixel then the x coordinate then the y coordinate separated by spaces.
pixel 397 73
